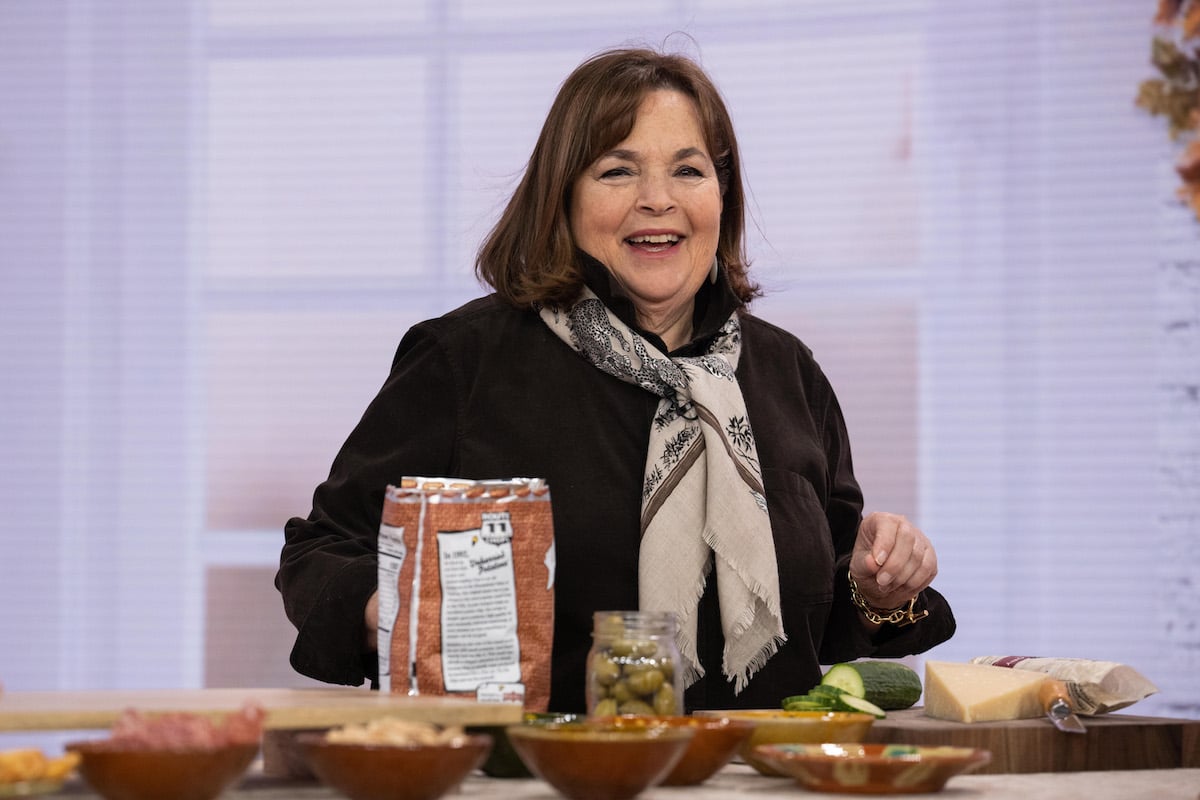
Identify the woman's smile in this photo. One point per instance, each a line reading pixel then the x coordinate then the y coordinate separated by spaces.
pixel 654 242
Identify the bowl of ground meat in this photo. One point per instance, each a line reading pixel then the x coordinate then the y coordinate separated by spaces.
pixel 178 755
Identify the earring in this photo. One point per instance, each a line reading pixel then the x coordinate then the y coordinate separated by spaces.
pixel 716 268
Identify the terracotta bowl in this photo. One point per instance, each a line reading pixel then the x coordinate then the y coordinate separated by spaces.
pixel 775 726
pixel 119 772
pixel 597 761
pixel 872 768
pixel 714 743
pixel 393 772
pixel 503 761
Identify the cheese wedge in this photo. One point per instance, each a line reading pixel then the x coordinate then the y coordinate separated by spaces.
pixel 980 693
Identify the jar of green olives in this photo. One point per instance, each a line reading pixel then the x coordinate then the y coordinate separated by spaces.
pixel 631 666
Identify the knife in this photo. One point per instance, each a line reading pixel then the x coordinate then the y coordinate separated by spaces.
pixel 1056 701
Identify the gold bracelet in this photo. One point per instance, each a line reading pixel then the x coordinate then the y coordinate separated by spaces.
pixel 904 615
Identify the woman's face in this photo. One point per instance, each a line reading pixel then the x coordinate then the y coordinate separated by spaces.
pixel 650 208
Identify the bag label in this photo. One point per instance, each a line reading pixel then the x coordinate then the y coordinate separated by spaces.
pixel 479 605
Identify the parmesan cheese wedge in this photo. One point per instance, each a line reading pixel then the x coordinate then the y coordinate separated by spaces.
pixel 980 693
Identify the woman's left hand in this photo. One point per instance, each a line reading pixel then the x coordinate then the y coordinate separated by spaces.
pixel 892 560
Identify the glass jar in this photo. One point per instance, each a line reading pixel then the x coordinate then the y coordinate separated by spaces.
pixel 631 666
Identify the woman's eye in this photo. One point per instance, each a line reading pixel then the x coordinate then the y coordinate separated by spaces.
pixel 615 172
pixel 690 172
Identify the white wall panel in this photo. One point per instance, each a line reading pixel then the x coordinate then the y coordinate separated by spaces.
pixel 315 167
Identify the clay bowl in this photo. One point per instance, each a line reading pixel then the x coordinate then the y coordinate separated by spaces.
pixel 714 743
pixel 775 726
pixel 597 761
pixel 503 761
pixel 120 772
pixel 393 772
pixel 872 768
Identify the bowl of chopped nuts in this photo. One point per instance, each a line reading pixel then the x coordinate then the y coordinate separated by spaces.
pixel 393 759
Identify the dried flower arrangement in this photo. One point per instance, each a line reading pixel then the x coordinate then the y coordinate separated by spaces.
pixel 1175 52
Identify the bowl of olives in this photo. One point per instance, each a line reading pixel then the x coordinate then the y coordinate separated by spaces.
pixel 714 742
pixel 503 761
pixel 593 760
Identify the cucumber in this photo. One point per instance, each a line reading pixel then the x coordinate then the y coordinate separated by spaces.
pixel 888 685
pixel 848 702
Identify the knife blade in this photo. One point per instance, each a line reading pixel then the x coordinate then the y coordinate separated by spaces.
pixel 1056 701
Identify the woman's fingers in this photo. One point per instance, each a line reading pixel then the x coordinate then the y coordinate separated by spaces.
pixel 894 559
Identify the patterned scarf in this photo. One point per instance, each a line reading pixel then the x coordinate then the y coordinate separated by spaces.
pixel 702 499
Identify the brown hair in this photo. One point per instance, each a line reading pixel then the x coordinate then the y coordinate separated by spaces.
pixel 530 255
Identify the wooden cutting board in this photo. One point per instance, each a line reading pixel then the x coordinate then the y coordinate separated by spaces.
pixel 1112 741
pixel 286 708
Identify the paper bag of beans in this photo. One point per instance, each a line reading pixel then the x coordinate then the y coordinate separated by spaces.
pixel 466 589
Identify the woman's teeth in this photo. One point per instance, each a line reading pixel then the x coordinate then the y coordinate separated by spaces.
pixel 659 241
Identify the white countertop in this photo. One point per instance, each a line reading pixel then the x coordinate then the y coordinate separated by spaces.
pixel 737 780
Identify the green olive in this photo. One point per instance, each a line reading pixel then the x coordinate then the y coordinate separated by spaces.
pixel 622 647
pixel 645 648
pixel 639 707
pixel 621 691
pixel 646 682
pixel 605 671
pixel 605 708
pixel 668 668
pixel 629 668
pixel 611 627
pixel 664 700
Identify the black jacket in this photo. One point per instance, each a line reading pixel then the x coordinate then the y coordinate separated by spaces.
pixel 487 391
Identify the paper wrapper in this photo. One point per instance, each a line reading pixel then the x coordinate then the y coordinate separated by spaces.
pixel 1096 687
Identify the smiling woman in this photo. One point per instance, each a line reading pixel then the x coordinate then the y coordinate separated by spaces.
pixel 708 472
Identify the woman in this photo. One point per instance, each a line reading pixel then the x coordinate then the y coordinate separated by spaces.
pixel 697 457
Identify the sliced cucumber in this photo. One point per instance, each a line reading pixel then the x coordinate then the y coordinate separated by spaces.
pixel 825 704
pixel 846 677
pixel 848 702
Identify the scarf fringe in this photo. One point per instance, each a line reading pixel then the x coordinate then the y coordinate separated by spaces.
pixel 764 593
pixel 742 679
pixel 685 634
pixel 746 620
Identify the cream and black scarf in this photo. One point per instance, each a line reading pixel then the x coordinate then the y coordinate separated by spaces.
pixel 702 499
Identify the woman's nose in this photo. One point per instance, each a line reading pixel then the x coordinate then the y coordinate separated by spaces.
pixel 654 194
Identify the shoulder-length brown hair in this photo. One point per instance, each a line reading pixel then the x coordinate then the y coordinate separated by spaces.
pixel 529 257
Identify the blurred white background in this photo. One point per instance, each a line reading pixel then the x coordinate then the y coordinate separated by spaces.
pixel 217 218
